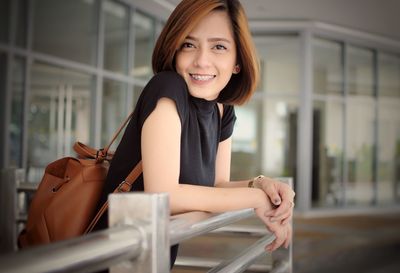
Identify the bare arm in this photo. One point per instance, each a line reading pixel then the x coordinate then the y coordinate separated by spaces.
pixel 161 136
pixel 273 190
pixel 223 167
pixel 279 193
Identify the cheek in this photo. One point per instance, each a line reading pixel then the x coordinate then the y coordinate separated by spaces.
pixel 180 63
pixel 228 65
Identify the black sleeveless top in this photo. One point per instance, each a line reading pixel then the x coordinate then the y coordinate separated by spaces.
pixel 202 130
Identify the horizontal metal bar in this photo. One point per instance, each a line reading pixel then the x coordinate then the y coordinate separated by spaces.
pixel 88 253
pixel 242 229
pixel 210 263
pixel 188 225
pixel 28 186
pixel 242 261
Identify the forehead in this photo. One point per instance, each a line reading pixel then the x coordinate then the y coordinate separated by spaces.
pixel 215 24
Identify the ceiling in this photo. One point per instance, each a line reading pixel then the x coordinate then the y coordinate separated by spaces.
pixel 373 16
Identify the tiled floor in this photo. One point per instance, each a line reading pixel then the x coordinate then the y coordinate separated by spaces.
pixel 369 244
pixel 347 244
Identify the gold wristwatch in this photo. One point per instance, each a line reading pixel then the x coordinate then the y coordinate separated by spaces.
pixel 251 182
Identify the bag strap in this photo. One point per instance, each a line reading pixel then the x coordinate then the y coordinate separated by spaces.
pixel 117 133
pixel 125 186
pixel 87 152
pixel 101 154
pixel 104 154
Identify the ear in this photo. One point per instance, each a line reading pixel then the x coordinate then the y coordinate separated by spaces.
pixel 236 69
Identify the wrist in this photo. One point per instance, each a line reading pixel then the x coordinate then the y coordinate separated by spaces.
pixel 259 198
pixel 255 182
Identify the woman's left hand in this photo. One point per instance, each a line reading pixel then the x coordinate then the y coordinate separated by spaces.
pixel 281 196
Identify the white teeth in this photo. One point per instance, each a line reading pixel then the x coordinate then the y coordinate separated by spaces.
pixel 202 77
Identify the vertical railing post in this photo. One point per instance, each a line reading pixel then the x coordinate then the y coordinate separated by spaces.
pixel 150 214
pixel 10 179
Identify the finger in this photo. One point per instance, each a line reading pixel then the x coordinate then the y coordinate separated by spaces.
pixel 287 219
pixel 273 227
pixel 275 244
pixel 272 191
pixel 280 239
pixel 286 206
pixel 283 218
pixel 283 209
pixel 285 192
pixel 289 237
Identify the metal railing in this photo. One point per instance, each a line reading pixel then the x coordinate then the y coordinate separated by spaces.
pixel 138 240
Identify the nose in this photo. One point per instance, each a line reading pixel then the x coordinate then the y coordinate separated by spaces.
pixel 202 58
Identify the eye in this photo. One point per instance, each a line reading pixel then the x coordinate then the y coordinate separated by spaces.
pixel 187 45
pixel 220 47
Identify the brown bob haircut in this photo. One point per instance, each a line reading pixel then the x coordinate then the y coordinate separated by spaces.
pixel 184 18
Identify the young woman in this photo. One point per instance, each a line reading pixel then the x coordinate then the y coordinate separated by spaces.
pixel 204 63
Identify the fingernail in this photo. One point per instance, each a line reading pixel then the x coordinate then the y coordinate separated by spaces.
pixel 272 219
pixel 277 201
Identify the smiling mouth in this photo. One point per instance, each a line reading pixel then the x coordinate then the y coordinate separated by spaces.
pixel 199 77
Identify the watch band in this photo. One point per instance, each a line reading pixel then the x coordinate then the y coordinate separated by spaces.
pixel 251 182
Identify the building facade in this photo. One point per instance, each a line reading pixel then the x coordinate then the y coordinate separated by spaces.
pixel 326 112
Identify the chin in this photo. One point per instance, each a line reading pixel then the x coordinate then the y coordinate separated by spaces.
pixel 202 95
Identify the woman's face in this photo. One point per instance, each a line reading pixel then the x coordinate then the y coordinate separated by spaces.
pixel 207 57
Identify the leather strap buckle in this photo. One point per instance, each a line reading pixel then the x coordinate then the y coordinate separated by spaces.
pixel 100 153
pixel 124 187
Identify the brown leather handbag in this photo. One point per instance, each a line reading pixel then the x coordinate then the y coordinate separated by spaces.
pixel 64 205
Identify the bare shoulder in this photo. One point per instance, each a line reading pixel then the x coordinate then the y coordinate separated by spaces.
pixel 165 104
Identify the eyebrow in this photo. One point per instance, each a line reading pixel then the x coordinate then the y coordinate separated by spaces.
pixel 214 39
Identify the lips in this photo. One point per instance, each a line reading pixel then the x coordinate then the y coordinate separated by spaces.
pixel 202 77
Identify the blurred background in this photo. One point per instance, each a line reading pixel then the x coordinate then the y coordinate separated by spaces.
pixel 326 112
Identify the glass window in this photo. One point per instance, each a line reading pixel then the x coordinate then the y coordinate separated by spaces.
pixel 114 110
pixel 22 23
pixel 17 106
pixel 388 75
pixel 279 56
pixel 328 126
pixel 328 67
pixel 264 139
pixel 144 29
pixel 246 142
pixel 360 77
pixel 67 29
pixel 388 128
pixel 360 126
pixel 327 173
pixel 279 137
pixel 4 20
pixel 360 122
pixel 59 114
pixel 115 37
